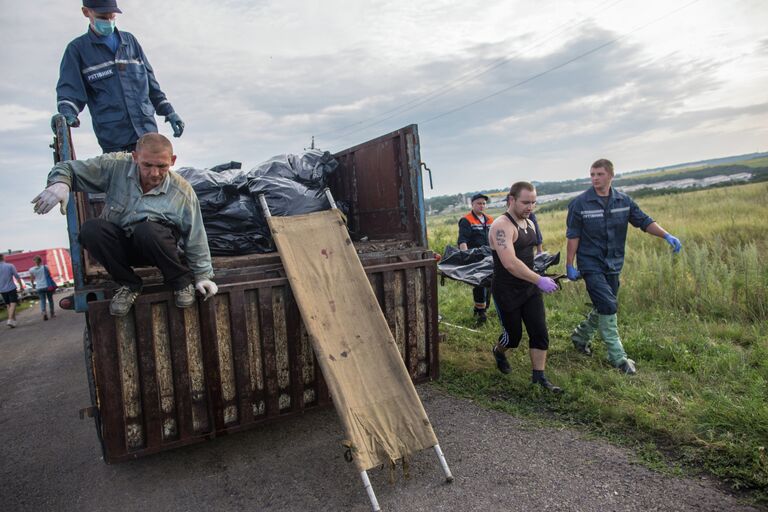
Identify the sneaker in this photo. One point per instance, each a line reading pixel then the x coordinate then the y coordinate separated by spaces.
pixel 185 297
pixel 628 367
pixel 548 385
pixel 11 323
pixel 122 301
pixel 45 317
pixel 481 316
pixel 582 349
pixel 501 362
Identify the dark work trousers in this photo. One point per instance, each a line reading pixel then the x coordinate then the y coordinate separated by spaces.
pixel 482 295
pixel 151 244
pixel 603 289
pixel 532 314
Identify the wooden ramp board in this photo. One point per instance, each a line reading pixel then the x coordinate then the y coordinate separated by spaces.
pixel 371 389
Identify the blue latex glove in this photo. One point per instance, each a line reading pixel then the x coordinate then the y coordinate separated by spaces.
pixel 674 242
pixel 71 119
pixel 176 123
pixel 572 273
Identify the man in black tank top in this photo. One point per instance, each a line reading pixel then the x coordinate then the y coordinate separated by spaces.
pixel 516 288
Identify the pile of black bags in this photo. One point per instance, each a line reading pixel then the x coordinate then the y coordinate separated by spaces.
pixel 229 198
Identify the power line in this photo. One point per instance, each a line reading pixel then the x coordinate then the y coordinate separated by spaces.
pixel 538 75
pixel 464 78
pixel 561 65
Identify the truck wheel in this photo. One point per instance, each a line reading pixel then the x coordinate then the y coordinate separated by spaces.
pixel 89 373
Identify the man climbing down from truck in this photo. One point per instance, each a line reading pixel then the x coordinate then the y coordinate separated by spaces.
pixel 148 209
pixel 516 288
pixel 473 233
pixel 597 233
pixel 107 70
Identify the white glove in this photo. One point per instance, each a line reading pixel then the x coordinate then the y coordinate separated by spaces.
pixel 207 288
pixel 50 197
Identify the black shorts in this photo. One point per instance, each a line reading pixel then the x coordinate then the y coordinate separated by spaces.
pixel 531 313
pixel 11 296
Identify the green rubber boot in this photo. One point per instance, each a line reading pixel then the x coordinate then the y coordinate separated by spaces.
pixel 609 330
pixel 582 335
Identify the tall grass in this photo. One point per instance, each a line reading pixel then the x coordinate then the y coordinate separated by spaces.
pixel 696 323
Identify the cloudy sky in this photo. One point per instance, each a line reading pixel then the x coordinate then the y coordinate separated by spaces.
pixel 501 90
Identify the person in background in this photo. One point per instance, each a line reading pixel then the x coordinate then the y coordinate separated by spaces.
pixel 148 210
pixel 8 289
pixel 41 280
pixel 473 233
pixel 597 233
pixel 517 289
pixel 107 70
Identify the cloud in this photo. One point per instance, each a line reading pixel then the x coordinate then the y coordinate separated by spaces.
pixel 16 117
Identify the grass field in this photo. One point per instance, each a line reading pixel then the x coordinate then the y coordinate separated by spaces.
pixel 696 323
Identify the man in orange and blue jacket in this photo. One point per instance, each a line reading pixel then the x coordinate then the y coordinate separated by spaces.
pixel 473 233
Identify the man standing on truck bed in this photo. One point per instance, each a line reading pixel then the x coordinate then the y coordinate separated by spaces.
pixel 147 210
pixel 473 233
pixel 516 287
pixel 107 70
pixel 597 233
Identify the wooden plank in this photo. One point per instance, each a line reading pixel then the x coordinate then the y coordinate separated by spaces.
pixel 242 362
pixel 104 340
pixel 266 321
pixel 211 363
pixel 411 349
pixel 153 425
pixel 180 368
pixel 281 347
pixel 400 315
pixel 196 371
pixel 388 287
pixel 225 359
pixel 255 354
pixel 129 380
pixel 164 371
pixel 421 321
pixel 433 336
pixel 295 348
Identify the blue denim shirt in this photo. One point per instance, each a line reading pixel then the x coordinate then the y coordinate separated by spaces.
pixel 172 202
pixel 602 229
pixel 119 88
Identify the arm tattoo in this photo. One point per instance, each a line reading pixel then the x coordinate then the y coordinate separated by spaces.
pixel 501 239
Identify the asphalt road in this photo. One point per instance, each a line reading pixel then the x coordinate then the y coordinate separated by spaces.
pixel 50 459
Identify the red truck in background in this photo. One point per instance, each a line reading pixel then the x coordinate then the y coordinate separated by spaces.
pixel 58 261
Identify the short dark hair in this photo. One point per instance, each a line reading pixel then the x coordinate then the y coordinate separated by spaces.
pixel 518 187
pixel 37 259
pixel 605 164
pixel 2 257
pixel 154 140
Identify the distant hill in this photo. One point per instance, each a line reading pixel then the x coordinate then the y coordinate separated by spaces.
pixel 754 163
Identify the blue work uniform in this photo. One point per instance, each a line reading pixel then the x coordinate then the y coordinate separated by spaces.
pixel 119 88
pixel 600 224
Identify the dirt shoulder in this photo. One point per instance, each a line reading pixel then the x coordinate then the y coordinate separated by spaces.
pixel 50 459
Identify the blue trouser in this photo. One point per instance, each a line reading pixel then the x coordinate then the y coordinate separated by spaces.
pixel 45 294
pixel 603 289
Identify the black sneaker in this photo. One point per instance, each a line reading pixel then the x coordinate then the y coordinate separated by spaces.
pixel 501 362
pixel 481 316
pixel 547 385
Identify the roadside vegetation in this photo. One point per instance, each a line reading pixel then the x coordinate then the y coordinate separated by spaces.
pixel 696 323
